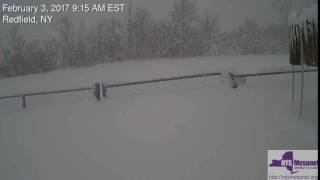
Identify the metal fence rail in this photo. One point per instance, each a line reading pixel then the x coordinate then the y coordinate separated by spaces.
pixel 10 97
pixel 163 79
pixel 127 84
pixel 47 92
pixel 24 95
pixel 273 73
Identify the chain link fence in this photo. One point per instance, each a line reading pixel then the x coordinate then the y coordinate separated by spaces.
pixel 163 85
pixel 139 87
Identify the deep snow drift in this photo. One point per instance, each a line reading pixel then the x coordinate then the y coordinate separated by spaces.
pixel 199 132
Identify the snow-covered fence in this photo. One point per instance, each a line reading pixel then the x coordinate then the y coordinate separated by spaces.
pixel 23 96
pixel 152 85
pixel 100 90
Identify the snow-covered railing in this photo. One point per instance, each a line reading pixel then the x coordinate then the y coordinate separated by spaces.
pixel 100 89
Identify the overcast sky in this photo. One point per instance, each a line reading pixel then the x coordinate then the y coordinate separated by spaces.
pixel 230 13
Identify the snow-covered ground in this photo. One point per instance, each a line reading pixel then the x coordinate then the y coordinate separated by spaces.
pixel 200 132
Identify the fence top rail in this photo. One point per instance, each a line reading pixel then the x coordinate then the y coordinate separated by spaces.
pixel 149 81
pixel 58 91
pixel 10 96
pixel 163 79
pixel 274 73
pixel 46 92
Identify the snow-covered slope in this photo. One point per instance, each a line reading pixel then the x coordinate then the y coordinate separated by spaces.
pixel 202 133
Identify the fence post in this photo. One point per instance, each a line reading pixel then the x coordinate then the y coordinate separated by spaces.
pixel 233 81
pixel 293 82
pixel 104 90
pixel 100 91
pixel 24 104
pixel 302 73
pixel 96 91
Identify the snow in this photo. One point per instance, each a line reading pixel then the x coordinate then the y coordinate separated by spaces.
pixel 208 132
pixel 302 16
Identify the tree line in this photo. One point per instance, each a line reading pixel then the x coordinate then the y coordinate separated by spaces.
pixel 137 36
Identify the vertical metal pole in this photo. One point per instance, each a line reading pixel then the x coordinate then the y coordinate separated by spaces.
pixel 302 73
pixel 233 81
pixel 293 82
pixel 24 104
pixel 291 36
pixel 101 90
pixel 105 90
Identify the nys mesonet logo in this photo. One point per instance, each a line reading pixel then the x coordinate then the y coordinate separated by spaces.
pixel 292 164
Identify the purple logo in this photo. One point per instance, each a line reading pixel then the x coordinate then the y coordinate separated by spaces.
pixel 286 161
pixel 290 163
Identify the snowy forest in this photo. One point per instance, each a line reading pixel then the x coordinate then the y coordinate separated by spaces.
pixel 185 32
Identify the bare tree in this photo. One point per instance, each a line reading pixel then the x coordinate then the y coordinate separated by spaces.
pixel 51 54
pixel 129 29
pixel 183 14
pixel 284 8
pixel 163 38
pixel 66 29
pixel 15 59
pixel 249 38
pixel 113 39
pixel 141 29
pixel 208 31
pixel 2 73
pixel 81 45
